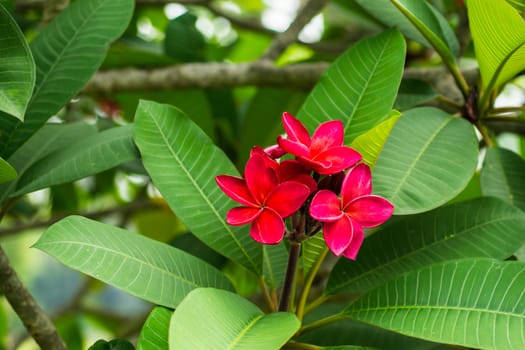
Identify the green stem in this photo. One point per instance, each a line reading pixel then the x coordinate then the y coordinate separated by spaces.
pixel 308 284
pixel 315 303
pixel 449 102
pixel 507 110
pixel 267 297
pixel 286 295
pixel 321 322
pixel 484 133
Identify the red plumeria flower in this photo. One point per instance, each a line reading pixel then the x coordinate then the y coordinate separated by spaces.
pixel 265 201
pixel 287 170
pixel 324 153
pixel 344 218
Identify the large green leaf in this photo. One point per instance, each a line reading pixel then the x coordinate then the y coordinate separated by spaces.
pixel 477 303
pixel 483 227
pixel 502 176
pixel 427 160
pixel 214 319
pixel 155 332
pixel 312 249
pixel 359 87
pixel 88 156
pixel 371 143
pixel 50 138
pixel 7 172
pixel 413 92
pixel 415 11
pixel 148 269
pixel 498 33
pixel 275 258
pixel 183 162
pixel 67 53
pixel 17 69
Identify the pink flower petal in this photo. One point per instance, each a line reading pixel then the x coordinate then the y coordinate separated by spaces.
pixel 338 234
pixel 341 158
pixel 315 165
pixel 325 207
pixel 357 240
pixel 370 211
pixel 269 162
pixel 292 170
pixel 242 215
pixel 260 179
pixel 295 130
pixel 287 198
pixel 236 189
pixel 268 227
pixel 327 135
pixel 357 183
pixel 293 147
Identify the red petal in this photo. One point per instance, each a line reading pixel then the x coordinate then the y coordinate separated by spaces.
pixel 325 207
pixel 268 228
pixel 287 198
pixel 357 183
pixel 354 246
pixel 268 161
pixel 260 179
pixel 341 158
pixel 370 211
pixel 242 215
pixel 236 189
pixel 274 151
pixel 293 147
pixel 295 130
pixel 338 234
pixel 327 135
pixel 292 170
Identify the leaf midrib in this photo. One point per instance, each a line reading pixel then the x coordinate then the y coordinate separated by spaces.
pixel 241 334
pixel 414 252
pixel 41 245
pixel 423 149
pixel 199 190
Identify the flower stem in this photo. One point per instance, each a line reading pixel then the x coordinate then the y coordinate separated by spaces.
pixel 286 296
pixel 266 294
pixel 321 322
pixel 308 284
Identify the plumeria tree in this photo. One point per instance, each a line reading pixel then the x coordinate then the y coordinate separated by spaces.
pixel 375 210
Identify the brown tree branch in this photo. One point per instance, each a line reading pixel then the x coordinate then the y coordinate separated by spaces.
pixel 289 36
pixel 206 75
pixel 38 324
pixel 52 8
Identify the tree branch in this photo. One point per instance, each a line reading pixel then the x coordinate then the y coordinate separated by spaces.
pixel 52 8
pixel 34 318
pixel 284 39
pixel 206 75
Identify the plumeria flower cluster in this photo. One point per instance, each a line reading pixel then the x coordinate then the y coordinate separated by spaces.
pixel 326 184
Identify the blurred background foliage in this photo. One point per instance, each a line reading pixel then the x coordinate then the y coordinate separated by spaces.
pixel 166 33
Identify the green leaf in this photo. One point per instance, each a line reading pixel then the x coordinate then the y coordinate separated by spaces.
pixel 183 40
pixel 498 33
pixel 502 176
pixel 413 92
pixel 155 332
pixel 518 5
pixel 7 172
pixel 275 258
pixel 420 11
pixel 66 53
pixel 50 138
pixel 427 160
pixel 359 87
pixel 215 320
pixel 143 267
pixel 312 249
pixel 371 143
pixel 88 156
pixel 477 303
pixel 17 69
pixel 483 227
pixel 183 162
pixel 115 344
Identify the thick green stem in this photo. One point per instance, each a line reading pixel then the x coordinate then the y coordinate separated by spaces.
pixel 308 284
pixel 286 296
pixel 266 294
